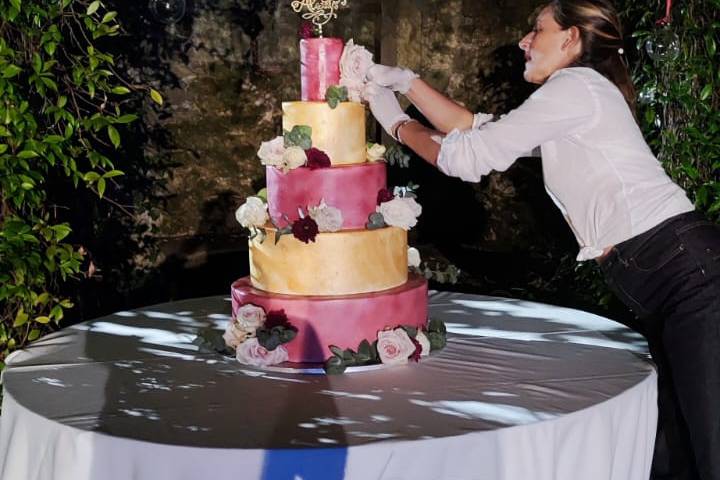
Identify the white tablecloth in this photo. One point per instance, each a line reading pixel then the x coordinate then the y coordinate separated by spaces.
pixel 522 391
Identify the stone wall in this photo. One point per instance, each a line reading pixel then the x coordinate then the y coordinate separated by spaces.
pixel 240 61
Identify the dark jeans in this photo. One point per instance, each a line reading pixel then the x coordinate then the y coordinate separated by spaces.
pixel 670 278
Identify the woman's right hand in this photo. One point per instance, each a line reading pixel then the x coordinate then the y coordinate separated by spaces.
pixel 385 107
pixel 395 78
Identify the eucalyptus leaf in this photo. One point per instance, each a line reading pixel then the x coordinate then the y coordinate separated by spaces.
pixel 337 351
pixel 334 366
pixel 436 325
pixel 375 221
pixel 437 340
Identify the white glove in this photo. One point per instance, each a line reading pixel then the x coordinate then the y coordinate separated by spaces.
pixel 385 107
pixel 394 78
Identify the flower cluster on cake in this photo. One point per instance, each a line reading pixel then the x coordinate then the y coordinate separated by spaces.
pixel 329 260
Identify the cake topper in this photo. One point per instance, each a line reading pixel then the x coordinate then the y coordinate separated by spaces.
pixel 319 12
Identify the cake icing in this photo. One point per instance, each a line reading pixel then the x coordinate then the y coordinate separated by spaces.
pixel 328 250
pixel 352 189
pixel 319 66
pixel 339 131
pixel 341 263
pixel 342 320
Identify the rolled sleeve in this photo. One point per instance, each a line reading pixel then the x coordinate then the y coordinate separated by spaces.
pixel 562 106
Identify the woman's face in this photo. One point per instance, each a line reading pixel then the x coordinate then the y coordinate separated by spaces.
pixel 548 47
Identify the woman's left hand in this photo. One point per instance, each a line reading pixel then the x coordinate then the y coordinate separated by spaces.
pixel 395 78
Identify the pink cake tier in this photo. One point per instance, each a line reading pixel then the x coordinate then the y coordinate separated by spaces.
pixel 350 188
pixel 344 320
pixel 319 66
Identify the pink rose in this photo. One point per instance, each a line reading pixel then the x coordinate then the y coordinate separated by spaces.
pixel 250 317
pixel 234 335
pixel 250 352
pixel 394 346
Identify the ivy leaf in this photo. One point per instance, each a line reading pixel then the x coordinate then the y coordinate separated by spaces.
pixel 61 231
pixel 706 91
pixel 155 95
pixel 108 17
pixel 299 136
pixel 20 318
pixel 91 177
pixel 710 44
pixel 121 91
pixel 16 4
pixel 42 319
pixel 54 139
pixel 336 94
pixel 113 173
pixel 50 48
pixel 92 8
pixel 10 71
pixel 101 186
pixel 28 154
pixel 128 118
pixel 114 136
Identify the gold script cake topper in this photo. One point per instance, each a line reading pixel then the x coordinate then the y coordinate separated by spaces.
pixel 319 12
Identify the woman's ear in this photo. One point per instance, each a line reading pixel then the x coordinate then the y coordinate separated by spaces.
pixel 573 42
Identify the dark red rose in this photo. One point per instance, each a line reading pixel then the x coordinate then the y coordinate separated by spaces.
pixel 305 229
pixel 276 318
pixel 418 349
pixel 384 195
pixel 307 30
pixel 317 158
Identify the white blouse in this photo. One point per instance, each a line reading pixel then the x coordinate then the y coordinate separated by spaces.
pixel 596 165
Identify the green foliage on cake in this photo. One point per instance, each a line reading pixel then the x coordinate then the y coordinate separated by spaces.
pixel 336 94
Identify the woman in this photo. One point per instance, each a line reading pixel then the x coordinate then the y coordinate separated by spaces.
pixel 660 256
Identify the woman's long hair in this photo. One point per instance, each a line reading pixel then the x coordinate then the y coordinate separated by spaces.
pixel 602 40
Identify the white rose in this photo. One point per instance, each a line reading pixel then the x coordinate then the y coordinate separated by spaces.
pixel 394 346
pixel 234 335
pixel 375 152
pixel 413 257
pixel 424 342
pixel 271 152
pixel 357 90
pixel 329 219
pixel 250 352
pixel 354 63
pixel 250 317
pixel 400 212
pixel 252 213
pixel 293 158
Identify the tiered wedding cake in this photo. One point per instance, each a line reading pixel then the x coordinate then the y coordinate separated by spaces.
pixel 328 250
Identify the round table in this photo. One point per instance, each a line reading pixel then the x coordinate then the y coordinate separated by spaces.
pixel 522 391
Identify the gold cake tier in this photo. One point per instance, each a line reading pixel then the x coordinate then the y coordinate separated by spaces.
pixel 338 263
pixel 339 132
